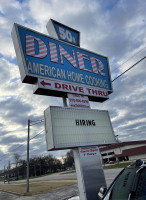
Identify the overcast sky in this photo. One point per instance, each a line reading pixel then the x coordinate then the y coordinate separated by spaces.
pixel 114 28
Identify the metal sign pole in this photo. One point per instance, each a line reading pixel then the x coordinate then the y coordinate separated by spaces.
pixel 89 169
pixel 89 172
pixel 65 101
pixel 78 167
pixel 81 184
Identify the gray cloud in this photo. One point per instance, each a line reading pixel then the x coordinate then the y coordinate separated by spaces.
pixel 112 28
pixel 15 111
pixel 12 140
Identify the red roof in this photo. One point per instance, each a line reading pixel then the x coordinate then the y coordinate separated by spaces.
pixel 122 144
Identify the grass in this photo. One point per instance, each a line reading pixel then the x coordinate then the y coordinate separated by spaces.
pixel 120 165
pixel 68 172
pixel 32 177
pixel 36 187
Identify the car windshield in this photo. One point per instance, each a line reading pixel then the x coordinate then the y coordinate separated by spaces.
pixel 130 185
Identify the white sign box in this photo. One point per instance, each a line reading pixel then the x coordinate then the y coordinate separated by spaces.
pixel 69 128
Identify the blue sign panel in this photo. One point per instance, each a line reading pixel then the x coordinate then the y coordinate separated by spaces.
pixel 48 58
pixel 66 34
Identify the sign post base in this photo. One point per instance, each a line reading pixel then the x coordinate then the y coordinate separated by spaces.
pixel 89 171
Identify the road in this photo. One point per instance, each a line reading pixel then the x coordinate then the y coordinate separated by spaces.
pixel 110 174
pixel 62 194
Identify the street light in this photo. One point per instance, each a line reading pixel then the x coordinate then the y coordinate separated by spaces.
pixel 118 143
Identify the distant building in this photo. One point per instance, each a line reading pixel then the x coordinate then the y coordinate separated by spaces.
pixel 127 151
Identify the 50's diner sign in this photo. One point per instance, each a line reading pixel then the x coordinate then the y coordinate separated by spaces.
pixel 57 68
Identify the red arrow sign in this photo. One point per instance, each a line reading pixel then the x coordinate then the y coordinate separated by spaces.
pixel 44 83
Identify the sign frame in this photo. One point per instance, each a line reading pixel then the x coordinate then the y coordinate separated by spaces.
pixel 52 30
pixel 54 138
pixel 32 79
pixel 44 86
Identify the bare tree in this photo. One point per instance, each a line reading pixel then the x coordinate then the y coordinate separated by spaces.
pixel 69 159
pixel 17 160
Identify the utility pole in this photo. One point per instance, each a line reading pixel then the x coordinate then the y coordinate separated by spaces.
pixel 28 155
pixel 34 169
pixel 30 123
pixel 9 172
pixel 118 143
pixel 40 169
pixel 4 174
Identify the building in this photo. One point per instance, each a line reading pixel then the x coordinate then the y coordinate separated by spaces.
pixel 127 151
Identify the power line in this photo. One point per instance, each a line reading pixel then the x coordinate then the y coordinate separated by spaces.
pixel 129 59
pixel 32 123
pixel 128 69
pixel 17 147
pixel 22 144
pixel 37 135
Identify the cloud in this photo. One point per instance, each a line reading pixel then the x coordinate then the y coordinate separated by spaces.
pixel 115 29
pixel 15 111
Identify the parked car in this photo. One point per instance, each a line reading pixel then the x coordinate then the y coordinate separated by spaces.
pixel 130 184
pixel 111 162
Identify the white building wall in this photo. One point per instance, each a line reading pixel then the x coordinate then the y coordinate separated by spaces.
pixel 142 157
pixel 120 149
